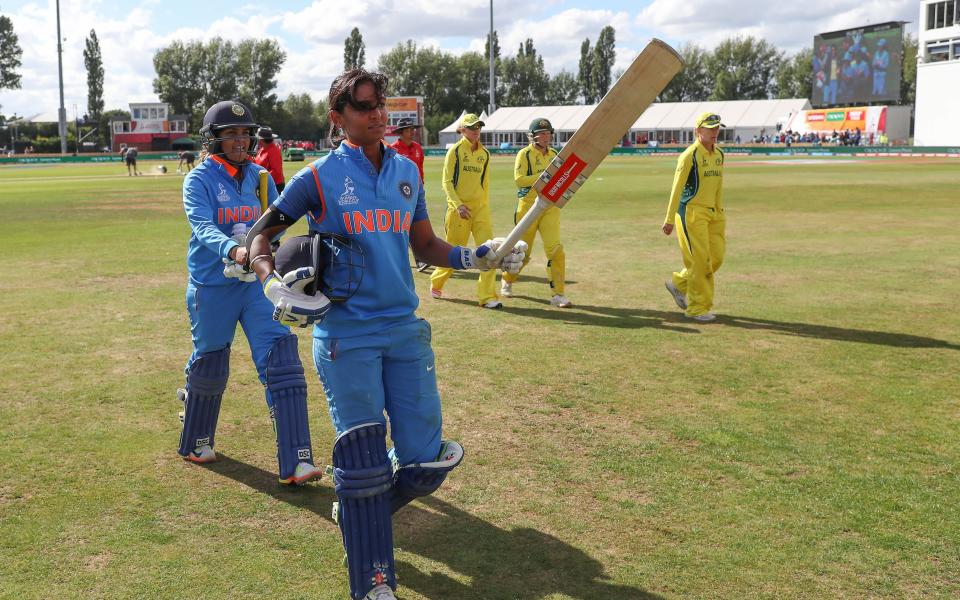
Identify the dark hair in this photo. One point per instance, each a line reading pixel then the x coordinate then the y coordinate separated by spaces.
pixel 344 88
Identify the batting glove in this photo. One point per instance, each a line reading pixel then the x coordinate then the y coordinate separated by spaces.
pixel 232 269
pixel 291 305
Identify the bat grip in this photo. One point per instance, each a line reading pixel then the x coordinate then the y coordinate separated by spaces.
pixel 521 228
pixel 263 191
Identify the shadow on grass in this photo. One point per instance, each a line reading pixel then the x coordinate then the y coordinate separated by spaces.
pixel 518 564
pixel 631 318
pixel 314 497
pixel 599 316
pixel 492 563
pixel 825 332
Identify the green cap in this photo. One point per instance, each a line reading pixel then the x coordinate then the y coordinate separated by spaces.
pixel 538 125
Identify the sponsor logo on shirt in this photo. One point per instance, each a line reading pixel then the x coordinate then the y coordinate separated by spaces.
pixel 222 194
pixel 406 190
pixel 348 197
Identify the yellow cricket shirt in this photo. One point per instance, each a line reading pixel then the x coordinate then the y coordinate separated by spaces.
pixel 698 180
pixel 526 170
pixel 466 177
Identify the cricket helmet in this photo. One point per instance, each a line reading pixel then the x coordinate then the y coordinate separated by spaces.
pixel 228 113
pixel 337 263
pixel 538 125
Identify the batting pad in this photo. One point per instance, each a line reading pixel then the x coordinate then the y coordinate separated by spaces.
pixel 362 477
pixel 422 479
pixel 206 380
pixel 288 392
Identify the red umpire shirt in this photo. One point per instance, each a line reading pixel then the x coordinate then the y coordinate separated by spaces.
pixel 414 151
pixel 269 156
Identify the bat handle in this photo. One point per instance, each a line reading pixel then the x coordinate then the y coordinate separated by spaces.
pixel 521 228
pixel 264 200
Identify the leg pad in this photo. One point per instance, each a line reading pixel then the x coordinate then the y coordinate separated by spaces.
pixel 362 477
pixel 287 387
pixel 206 379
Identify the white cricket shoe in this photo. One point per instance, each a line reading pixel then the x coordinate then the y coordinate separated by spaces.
pixel 494 304
pixel 202 454
pixel 560 301
pixel 380 592
pixel 678 297
pixel 703 318
pixel 506 289
pixel 303 473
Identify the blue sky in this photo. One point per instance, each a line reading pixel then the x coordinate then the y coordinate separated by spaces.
pixel 312 33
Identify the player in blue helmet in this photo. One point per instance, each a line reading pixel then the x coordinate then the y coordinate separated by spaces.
pixel 373 355
pixel 220 198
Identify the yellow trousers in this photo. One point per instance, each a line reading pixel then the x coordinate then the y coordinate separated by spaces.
pixel 549 227
pixel 701 232
pixel 458 231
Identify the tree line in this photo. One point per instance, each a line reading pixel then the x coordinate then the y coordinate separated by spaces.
pixel 191 76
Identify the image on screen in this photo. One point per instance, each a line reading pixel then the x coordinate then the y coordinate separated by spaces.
pixel 857 66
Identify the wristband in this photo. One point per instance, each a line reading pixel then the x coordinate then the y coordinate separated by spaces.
pixel 456 257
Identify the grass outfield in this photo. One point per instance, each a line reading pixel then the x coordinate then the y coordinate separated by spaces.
pixel 806 445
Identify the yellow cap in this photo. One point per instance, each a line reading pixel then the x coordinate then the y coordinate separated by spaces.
pixel 709 120
pixel 470 119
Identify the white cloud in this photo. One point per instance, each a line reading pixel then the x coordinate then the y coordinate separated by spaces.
pixel 788 25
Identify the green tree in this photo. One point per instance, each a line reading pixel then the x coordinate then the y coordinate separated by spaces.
pixel 353 50
pixel 744 69
pixel 794 76
pixel 692 83
pixel 564 89
pixel 426 72
pixel 259 62
pixel 908 77
pixel 180 80
pixel 604 56
pixel 93 60
pixel 585 73
pixel 192 77
pixel 473 88
pixel 525 81
pixel 10 53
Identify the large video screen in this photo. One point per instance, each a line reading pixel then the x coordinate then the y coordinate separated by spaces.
pixel 857 66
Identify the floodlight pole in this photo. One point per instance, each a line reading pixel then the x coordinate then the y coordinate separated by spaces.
pixel 493 103
pixel 63 111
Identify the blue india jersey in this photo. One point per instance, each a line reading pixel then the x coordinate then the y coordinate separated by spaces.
pixel 342 193
pixel 219 208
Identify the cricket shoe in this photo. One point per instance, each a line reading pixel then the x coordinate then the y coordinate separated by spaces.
pixel 303 473
pixel 703 318
pixel 437 294
pixel 492 304
pixel 560 301
pixel 380 592
pixel 678 297
pixel 506 289
pixel 201 455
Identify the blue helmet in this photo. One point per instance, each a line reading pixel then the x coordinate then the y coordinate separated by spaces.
pixel 229 113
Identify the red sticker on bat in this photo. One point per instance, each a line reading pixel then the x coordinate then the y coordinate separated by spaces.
pixel 564 176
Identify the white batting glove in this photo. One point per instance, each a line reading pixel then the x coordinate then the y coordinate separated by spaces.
pixel 232 269
pixel 513 260
pixel 293 307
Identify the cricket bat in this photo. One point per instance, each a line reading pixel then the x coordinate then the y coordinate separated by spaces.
pixel 264 191
pixel 622 105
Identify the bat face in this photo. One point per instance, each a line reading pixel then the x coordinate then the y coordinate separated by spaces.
pixel 636 89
